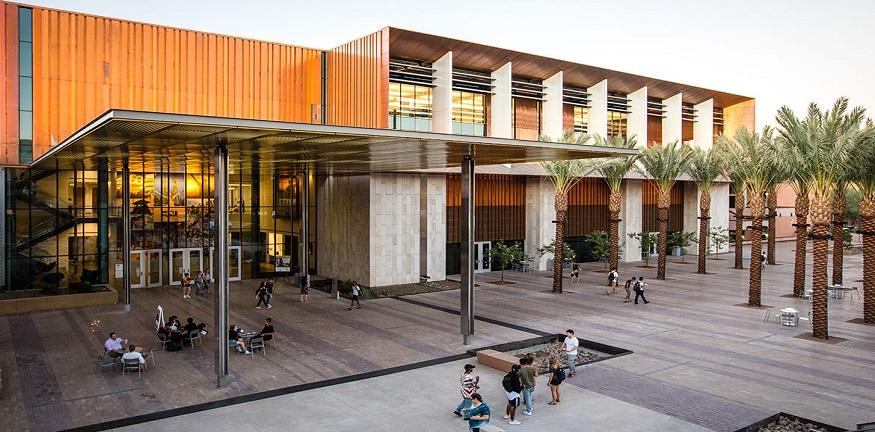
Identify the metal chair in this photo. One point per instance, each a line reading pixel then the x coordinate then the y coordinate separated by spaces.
pixel 149 352
pixel 104 362
pixel 810 325
pixel 195 335
pixel 268 340
pixel 769 314
pixel 129 365
pixel 257 343
pixel 163 340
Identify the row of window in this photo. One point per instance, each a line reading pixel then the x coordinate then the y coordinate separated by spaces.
pixel 25 84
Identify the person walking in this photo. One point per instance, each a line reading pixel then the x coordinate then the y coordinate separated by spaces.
pixel 557 375
pixel 356 292
pixel 305 289
pixel 513 386
pixel 478 414
pixel 639 290
pixel 268 286
pixel 570 346
pixel 261 295
pixel 186 286
pixel 628 288
pixel 207 280
pixel 468 385
pixel 527 375
pixel 199 283
pixel 575 272
pixel 613 281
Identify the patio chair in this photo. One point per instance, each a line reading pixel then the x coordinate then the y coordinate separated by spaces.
pixel 769 314
pixel 104 362
pixel 162 339
pixel 806 319
pixel 268 340
pixel 130 365
pixel 195 335
pixel 257 343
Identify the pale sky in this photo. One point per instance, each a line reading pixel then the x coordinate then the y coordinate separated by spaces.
pixel 781 52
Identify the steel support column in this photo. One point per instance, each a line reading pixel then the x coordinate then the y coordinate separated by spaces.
pixel 126 233
pixel 220 263
pixel 305 225
pixel 467 219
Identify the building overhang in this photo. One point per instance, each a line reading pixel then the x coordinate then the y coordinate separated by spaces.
pixel 161 141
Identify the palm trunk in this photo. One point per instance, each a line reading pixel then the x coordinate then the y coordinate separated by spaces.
pixel 704 222
pixel 820 216
pixel 773 215
pixel 557 252
pixel 801 243
pixel 614 201
pixel 739 229
pixel 839 203
pixel 757 209
pixel 663 202
pixel 867 213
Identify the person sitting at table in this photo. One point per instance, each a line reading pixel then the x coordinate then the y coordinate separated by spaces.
pixel 191 326
pixel 113 345
pixel 267 331
pixel 236 339
pixel 174 323
pixel 133 354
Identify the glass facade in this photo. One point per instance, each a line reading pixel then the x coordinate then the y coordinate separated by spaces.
pixel 617 124
pixel 410 107
pixel 25 84
pixel 581 118
pixel 66 226
pixel 469 113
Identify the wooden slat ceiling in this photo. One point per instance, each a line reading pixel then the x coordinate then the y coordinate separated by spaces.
pixel 468 55
pixel 162 141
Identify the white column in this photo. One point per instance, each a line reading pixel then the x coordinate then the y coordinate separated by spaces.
pixel 720 208
pixel 540 214
pixel 703 128
pixel 500 104
pixel 394 229
pixel 672 127
pixel 442 95
pixel 436 225
pixel 691 209
pixel 630 214
pixel 598 109
pixel 553 106
pixel 637 123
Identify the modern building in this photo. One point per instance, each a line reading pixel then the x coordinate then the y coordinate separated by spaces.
pixel 344 162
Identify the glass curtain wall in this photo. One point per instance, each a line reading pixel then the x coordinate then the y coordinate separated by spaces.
pixel 410 107
pixel 617 124
pixel 469 113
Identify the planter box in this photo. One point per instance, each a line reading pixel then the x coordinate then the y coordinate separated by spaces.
pixel 56 302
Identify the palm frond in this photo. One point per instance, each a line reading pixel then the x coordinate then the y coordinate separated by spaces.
pixel 614 170
pixel 706 166
pixel 664 163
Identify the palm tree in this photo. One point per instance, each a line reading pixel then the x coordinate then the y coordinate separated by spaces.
pixel 865 182
pixel 614 170
pixel 664 163
pixel 737 181
pixel 797 141
pixel 564 175
pixel 753 157
pixel 835 133
pixel 772 205
pixel 839 204
pixel 707 165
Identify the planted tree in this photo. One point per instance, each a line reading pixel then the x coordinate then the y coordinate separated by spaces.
pixel 551 249
pixel 719 237
pixel 707 165
pixel 865 182
pixel 599 246
pixel 564 175
pixel 614 170
pixel 682 240
pixel 647 240
pixel 664 163
pixel 754 157
pixel 506 254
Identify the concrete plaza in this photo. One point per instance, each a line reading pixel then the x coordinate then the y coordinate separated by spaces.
pixel 700 361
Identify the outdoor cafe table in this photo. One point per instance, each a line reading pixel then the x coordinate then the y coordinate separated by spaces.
pixel 789 317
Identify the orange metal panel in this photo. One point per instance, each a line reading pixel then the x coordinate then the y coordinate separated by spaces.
pixel 358 79
pixel 739 115
pixel 85 65
pixel 9 101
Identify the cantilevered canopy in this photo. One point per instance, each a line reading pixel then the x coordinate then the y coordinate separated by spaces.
pixel 160 140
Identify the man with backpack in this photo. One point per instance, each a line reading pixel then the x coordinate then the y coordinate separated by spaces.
pixel 639 290
pixel 527 375
pixel 513 386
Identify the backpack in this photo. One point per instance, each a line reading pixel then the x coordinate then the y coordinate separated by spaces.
pixel 559 375
pixel 507 383
pixel 637 286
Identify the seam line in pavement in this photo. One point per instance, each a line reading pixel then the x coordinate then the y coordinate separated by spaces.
pixel 476 317
pixel 263 395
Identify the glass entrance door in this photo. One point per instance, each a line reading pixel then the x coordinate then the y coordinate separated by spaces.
pixel 481 263
pixel 235 262
pixel 146 266
pixel 182 261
